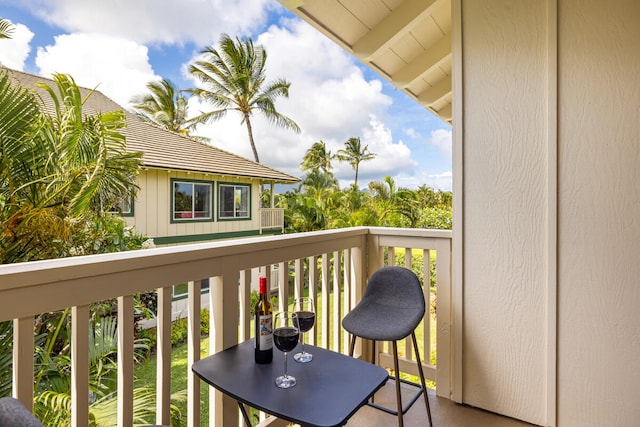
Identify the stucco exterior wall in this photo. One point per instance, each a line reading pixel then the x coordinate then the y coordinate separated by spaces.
pixel 152 208
pixel 550 140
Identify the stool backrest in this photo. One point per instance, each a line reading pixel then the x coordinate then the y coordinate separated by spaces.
pixel 395 287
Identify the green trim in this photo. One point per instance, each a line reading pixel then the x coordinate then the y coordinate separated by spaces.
pixel 190 238
pixel 129 214
pixel 233 184
pixel 178 297
pixel 132 212
pixel 172 219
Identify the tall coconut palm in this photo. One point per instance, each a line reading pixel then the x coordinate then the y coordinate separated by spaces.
pixel 164 105
pixel 317 157
pixel 234 79
pixel 354 154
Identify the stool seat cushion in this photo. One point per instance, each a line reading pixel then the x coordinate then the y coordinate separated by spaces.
pixel 391 307
pixel 14 414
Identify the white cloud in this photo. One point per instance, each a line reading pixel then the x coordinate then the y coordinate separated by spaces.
pixel 14 51
pixel 157 21
pixel 119 68
pixel 330 99
pixel 441 138
pixel 412 133
pixel 442 181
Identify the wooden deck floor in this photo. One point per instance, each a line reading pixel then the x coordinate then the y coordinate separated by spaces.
pixel 443 411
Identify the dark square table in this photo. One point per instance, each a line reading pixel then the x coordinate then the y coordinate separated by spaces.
pixel 329 389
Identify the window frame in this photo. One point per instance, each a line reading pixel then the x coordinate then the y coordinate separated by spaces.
pixel 193 218
pixel 122 213
pixel 235 185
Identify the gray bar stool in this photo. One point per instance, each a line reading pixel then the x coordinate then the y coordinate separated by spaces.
pixel 14 414
pixel 391 308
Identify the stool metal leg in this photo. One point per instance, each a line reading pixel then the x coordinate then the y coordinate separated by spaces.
pixel 352 345
pixel 422 382
pixel 398 395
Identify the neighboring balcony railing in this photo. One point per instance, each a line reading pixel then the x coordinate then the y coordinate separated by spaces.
pixel 333 264
pixel 271 218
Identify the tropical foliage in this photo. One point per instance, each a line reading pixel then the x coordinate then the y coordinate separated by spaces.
pixel 6 29
pixel 354 154
pixel 60 172
pixel 234 79
pixel 319 203
pixel 164 105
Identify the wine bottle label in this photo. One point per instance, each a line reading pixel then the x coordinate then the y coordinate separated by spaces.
pixel 266 332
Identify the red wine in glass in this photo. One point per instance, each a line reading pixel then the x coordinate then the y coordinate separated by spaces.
pixel 304 308
pixel 285 337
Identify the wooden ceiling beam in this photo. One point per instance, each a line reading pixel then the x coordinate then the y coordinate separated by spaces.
pixel 423 63
pixel 438 91
pixel 391 28
pixel 445 113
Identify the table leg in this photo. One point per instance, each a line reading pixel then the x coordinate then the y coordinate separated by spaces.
pixel 244 414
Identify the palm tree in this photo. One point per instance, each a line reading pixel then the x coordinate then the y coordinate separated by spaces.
pixel 317 157
pixel 6 29
pixel 354 154
pixel 234 80
pixel 165 106
pixel 56 169
pixel 319 180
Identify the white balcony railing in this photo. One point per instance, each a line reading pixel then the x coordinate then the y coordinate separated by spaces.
pixel 334 265
pixel 271 218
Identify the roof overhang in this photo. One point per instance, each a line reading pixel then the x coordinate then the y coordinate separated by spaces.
pixel 408 42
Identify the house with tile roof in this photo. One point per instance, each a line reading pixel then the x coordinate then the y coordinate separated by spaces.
pixel 189 191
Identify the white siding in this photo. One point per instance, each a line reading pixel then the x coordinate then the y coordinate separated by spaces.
pixel 599 223
pixel 531 229
pixel 504 78
pixel 153 206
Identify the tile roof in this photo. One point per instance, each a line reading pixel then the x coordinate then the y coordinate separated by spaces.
pixel 168 150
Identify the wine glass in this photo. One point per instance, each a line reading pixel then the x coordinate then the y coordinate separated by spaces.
pixel 306 312
pixel 285 337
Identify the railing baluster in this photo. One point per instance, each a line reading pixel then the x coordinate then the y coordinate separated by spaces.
pixel 245 305
pixel 283 286
pixel 193 354
pixel 80 366
pixel 426 273
pixel 326 311
pixel 408 263
pixel 335 317
pixel 163 358
pixel 298 282
pixel 125 361
pixel 23 346
pixel 346 296
pixel 313 292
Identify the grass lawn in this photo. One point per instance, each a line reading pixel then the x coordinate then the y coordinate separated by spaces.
pixel 145 374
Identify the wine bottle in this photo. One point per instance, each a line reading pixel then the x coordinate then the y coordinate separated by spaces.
pixel 263 326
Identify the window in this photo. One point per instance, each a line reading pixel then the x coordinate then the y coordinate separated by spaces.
pixel 234 201
pixel 191 200
pixel 181 291
pixel 124 208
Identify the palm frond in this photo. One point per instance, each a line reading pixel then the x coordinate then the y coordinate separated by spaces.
pixel 6 29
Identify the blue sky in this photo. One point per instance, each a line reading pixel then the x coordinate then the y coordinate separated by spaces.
pixel 120 46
